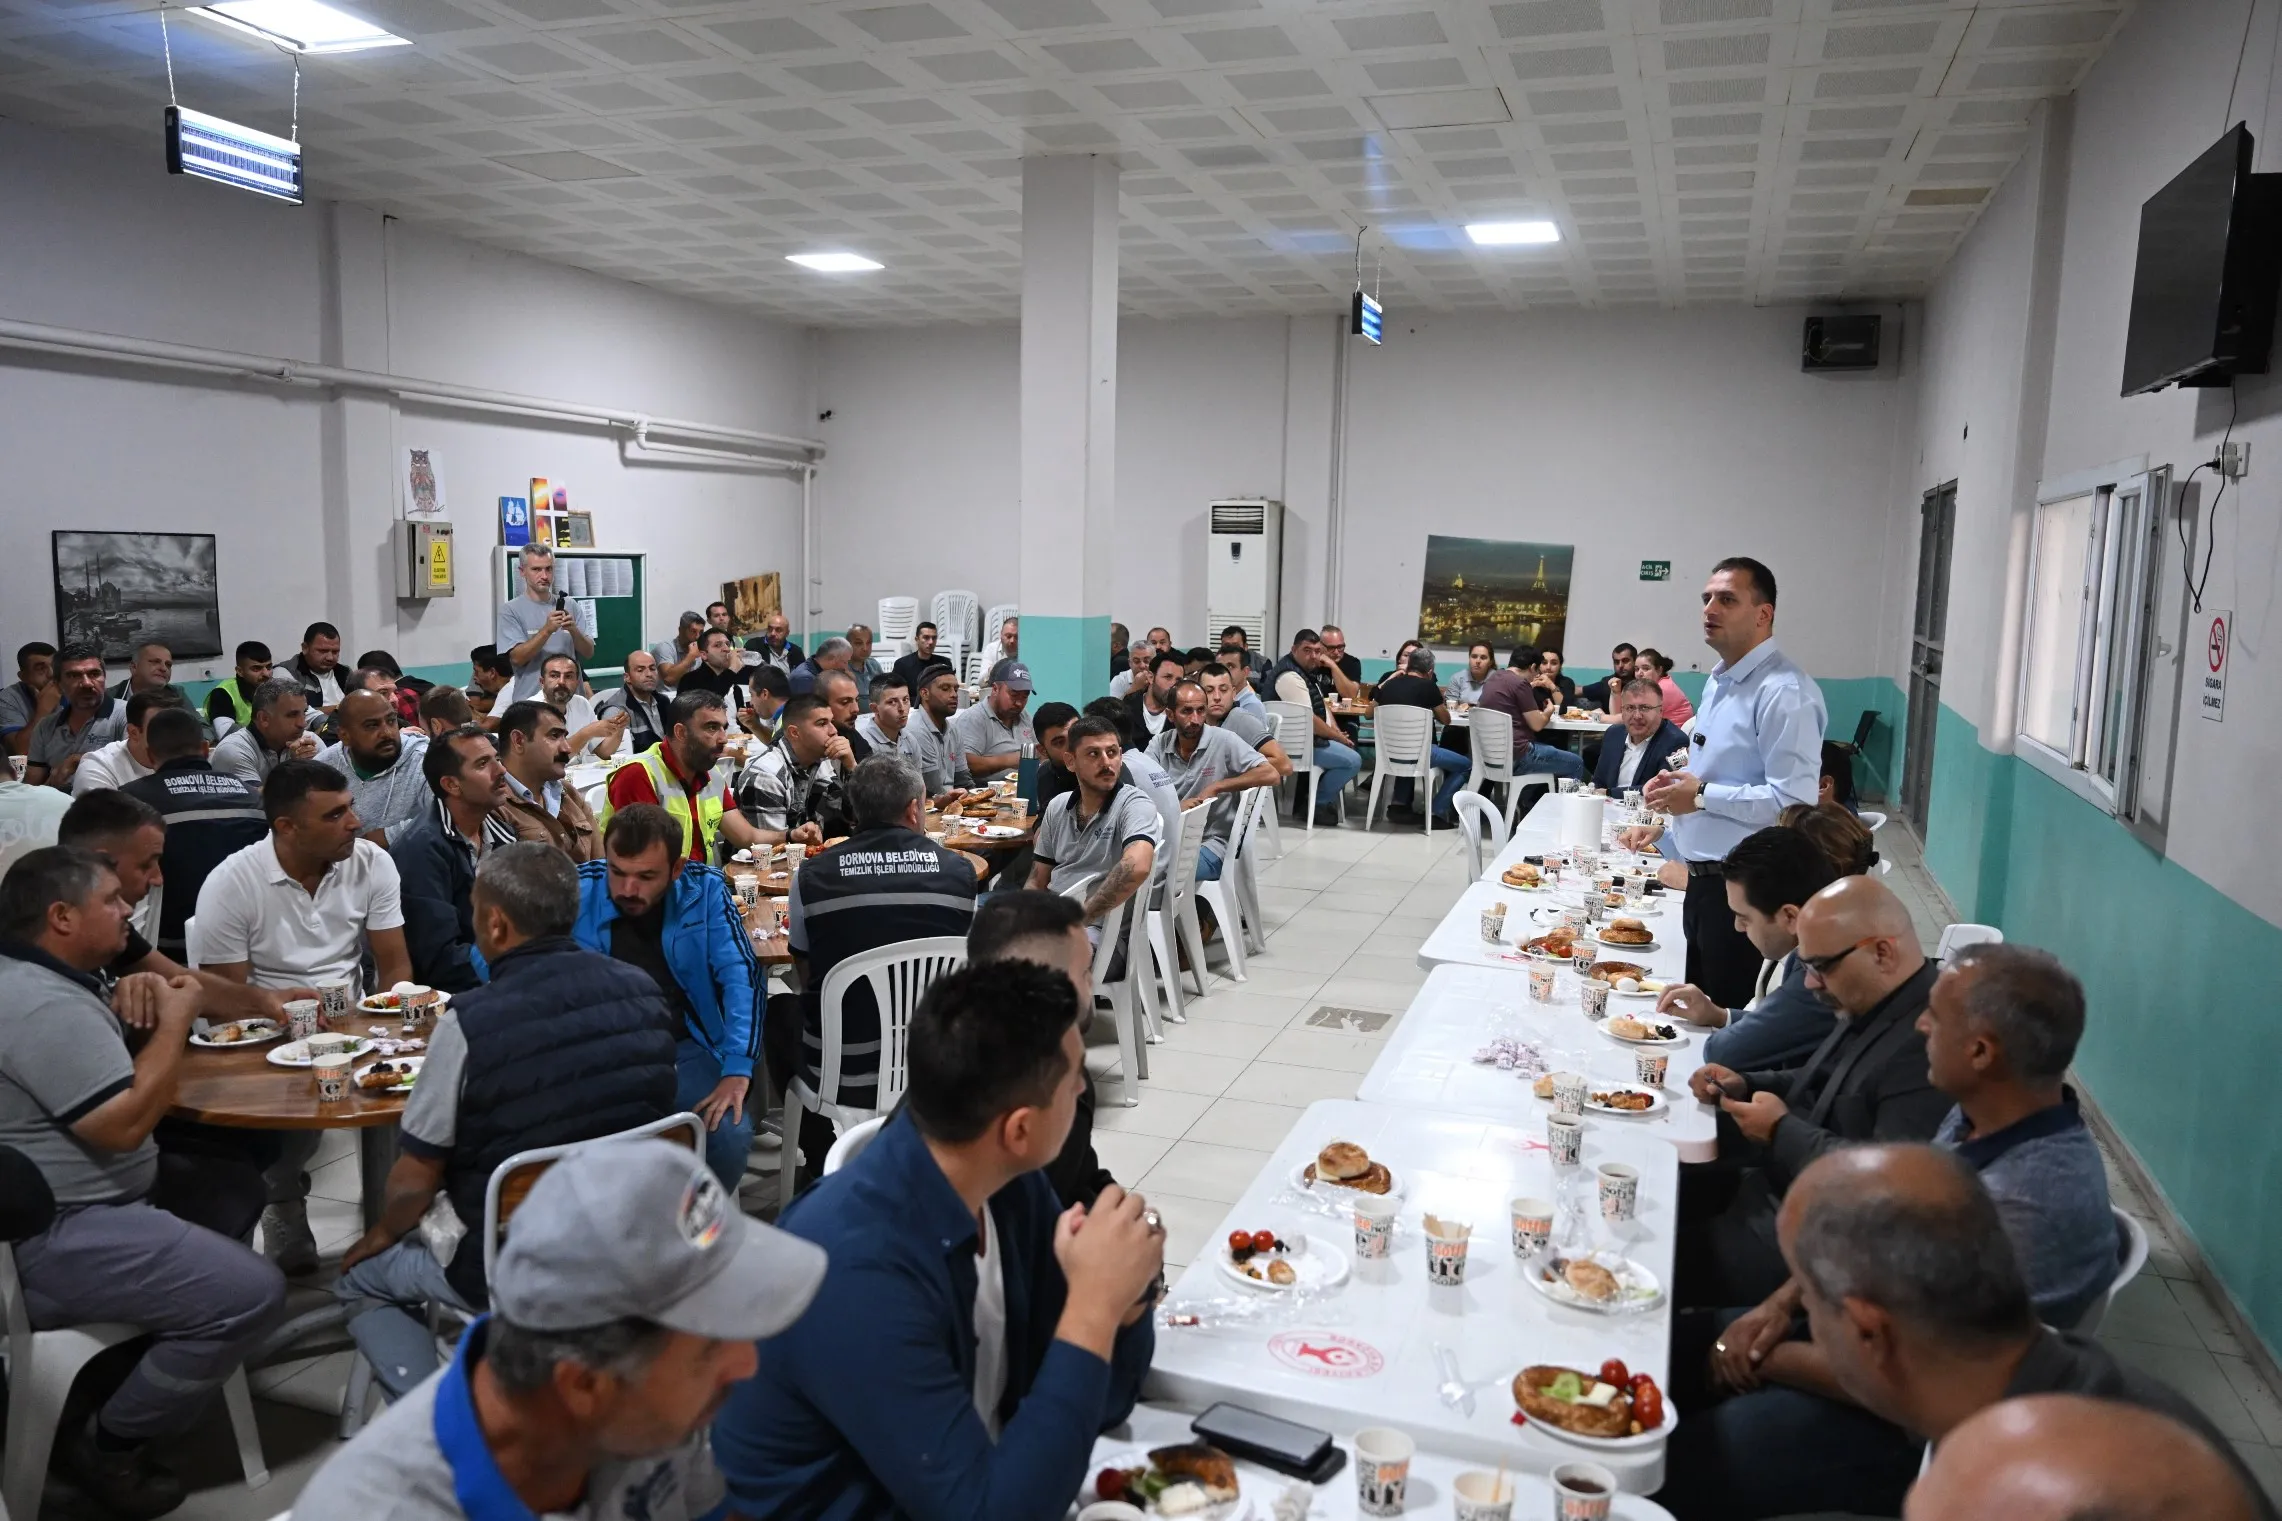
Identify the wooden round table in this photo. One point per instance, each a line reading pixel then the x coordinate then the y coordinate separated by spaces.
pixel 240 1089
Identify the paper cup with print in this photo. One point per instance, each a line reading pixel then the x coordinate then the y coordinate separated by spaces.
pixel 1569 1090
pixel 1382 1469
pixel 1493 923
pixel 303 1017
pixel 1649 1067
pixel 1620 1191
pixel 1582 1492
pixel 793 855
pixel 1541 982
pixel 332 1075
pixel 1532 1225
pixel 1592 997
pixel 1447 1242
pixel 420 1005
pixel 336 999
pixel 1375 1225
pixel 1479 1495
pixel 1565 1138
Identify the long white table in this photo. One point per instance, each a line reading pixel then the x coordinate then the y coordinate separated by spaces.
pixel 1363 1354
pixel 1457 940
pixel 1428 1493
pixel 1429 1065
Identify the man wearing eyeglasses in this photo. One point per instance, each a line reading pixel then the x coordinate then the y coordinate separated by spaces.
pixel 1868 1081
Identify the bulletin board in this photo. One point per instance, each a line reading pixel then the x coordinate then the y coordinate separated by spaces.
pixel 610 595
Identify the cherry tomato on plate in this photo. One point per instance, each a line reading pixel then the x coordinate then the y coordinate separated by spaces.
pixel 1263 1241
pixel 1648 1406
pixel 1240 1241
pixel 1614 1372
pixel 1110 1485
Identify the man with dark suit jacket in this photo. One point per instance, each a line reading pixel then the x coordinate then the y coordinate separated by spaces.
pixel 1633 751
pixel 1868 1081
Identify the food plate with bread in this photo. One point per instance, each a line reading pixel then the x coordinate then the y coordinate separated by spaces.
pixel 1524 877
pixel 1625 933
pixel 295 1053
pixel 1629 1100
pixel 1587 1409
pixel 1601 1283
pixel 1643 1032
pixel 1343 1164
pixel 1289 1264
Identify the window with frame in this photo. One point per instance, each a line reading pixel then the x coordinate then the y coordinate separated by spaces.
pixel 2094 556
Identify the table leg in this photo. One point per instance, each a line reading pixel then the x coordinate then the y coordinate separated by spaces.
pixel 376 1154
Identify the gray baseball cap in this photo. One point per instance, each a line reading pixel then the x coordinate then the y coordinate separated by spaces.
pixel 1013 674
pixel 643 1229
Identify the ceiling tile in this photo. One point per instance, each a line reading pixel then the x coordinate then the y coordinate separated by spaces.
pixel 905 23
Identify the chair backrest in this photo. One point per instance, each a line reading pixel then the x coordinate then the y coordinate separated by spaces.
pixel 1182 877
pixel 1117 928
pixel 1404 736
pixel 1491 735
pixel 899 975
pixel 2131 1256
pixel 1250 805
pixel 851 1144
pixel 192 956
pixel 956 615
pixel 994 619
pixel 1483 828
pixel 1882 867
pixel 1295 731
pixel 1958 936
pixel 973 674
pixel 1872 820
pixel 512 1179
pixel 899 618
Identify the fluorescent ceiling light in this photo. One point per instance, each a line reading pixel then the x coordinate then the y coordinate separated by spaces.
pixel 1509 234
pixel 299 26
pixel 835 263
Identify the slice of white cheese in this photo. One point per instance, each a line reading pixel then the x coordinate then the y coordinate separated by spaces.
pixel 1598 1396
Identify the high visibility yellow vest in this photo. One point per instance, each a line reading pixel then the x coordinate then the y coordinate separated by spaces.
pixel 712 799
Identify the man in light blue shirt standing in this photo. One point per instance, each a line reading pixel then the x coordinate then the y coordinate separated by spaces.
pixel 1757 748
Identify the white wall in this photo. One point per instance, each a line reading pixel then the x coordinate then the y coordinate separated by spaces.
pixel 300 489
pixel 1668 435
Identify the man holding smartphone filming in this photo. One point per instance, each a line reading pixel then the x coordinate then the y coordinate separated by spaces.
pixel 538 624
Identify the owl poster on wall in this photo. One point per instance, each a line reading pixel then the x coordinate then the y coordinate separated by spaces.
pixel 423 484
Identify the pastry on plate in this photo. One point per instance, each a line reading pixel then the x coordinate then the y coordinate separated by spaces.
pixel 1573 1401
pixel 1625 931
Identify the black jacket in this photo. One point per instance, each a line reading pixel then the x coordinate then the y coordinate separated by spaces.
pixel 1867 1082
pixel 1660 744
pixel 437 867
pixel 563 1045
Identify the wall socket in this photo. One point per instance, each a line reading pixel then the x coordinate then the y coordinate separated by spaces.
pixel 2234 460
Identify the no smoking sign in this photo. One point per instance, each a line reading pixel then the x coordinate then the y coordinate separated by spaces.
pixel 2218 639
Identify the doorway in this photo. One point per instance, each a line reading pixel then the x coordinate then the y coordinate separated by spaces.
pixel 1936 532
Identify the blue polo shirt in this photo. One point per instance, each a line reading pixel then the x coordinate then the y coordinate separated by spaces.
pixel 2045 1176
pixel 866 1406
pixel 425 1458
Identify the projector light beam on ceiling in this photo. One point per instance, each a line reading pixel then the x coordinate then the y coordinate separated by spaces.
pixel 299 26
pixel 834 263
pixel 1512 234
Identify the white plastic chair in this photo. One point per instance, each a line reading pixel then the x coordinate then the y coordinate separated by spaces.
pixel 994 619
pixel 2131 1253
pixel 899 623
pixel 1490 737
pixel 1482 829
pixel 1295 731
pixel 1882 867
pixel 1956 937
pixel 503 1194
pixel 973 670
pixel 1871 820
pixel 1243 868
pixel 1224 897
pixel 956 616
pixel 1404 751
pixel 899 976
pixel 1173 923
pixel 41 1368
pixel 851 1144
pixel 1125 925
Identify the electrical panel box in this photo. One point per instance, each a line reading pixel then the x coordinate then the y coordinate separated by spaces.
pixel 421 550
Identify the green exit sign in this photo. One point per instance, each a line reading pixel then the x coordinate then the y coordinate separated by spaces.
pixel 1656 570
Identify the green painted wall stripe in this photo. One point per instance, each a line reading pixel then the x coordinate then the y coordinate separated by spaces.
pixel 1068 658
pixel 2180 1045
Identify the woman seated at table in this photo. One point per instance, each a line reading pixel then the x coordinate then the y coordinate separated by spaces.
pixel 1657 667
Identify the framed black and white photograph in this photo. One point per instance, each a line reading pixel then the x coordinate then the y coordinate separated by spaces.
pixel 117 590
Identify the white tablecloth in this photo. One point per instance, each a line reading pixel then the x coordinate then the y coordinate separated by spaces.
pixel 1363 1355
pixel 1428 1061
pixel 1428 1494
pixel 1458 938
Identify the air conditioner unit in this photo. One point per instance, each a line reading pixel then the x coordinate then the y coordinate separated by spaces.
pixel 1244 572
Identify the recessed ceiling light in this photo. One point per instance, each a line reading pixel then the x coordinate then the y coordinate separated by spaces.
pixel 1509 234
pixel 300 26
pixel 835 263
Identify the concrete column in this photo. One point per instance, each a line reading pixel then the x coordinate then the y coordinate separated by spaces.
pixel 1069 422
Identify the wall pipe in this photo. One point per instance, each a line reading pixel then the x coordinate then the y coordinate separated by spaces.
pixel 710 441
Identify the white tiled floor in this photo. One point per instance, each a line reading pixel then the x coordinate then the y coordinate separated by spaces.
pixel 1347 910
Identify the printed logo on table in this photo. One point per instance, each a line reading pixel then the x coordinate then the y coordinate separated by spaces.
pixel 1326 1354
